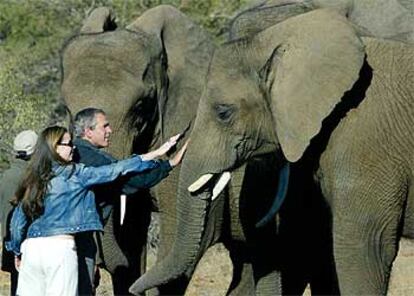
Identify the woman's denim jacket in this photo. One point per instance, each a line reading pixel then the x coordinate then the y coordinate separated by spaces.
pixel 69 204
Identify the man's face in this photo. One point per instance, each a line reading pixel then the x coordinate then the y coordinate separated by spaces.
pixel 99 136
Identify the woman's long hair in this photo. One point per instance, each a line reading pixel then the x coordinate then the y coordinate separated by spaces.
pixel 32 189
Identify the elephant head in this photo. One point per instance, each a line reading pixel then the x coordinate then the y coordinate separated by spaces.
pixel 267 94
pixel 152 69
pixel 147 77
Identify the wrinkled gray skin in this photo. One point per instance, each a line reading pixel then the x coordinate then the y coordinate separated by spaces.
pixel 148 78
pixel 340 109
pixel 388 19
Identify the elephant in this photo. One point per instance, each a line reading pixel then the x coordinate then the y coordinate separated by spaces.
pixel 387 19
pixel 337 107
pixel 148 79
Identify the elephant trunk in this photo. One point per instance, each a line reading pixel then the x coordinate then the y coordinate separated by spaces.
pixel 191 215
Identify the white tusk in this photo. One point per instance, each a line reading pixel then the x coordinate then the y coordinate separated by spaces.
pixel 200 182
pixel 222 182
pixel 123 208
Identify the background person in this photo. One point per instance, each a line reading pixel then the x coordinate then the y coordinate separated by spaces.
pixel 55 203
pixel 23 146
pixel 93 133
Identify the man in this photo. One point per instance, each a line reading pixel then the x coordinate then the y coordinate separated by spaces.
pixel 23 147
pixel 93 132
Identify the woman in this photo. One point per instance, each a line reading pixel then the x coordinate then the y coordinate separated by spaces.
pixel 53 203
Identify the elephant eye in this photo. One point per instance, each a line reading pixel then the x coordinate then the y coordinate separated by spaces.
pixel 224 112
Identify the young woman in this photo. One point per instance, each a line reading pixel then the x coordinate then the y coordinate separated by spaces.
pixel 53 203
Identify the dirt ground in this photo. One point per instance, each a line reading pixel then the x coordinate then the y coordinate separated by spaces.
pixel 213 274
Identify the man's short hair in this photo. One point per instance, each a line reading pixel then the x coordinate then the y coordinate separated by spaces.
pixel 85 118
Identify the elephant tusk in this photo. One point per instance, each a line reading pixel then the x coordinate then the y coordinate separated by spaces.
pixel 282 189
pixel 200 182
pixel 123 209
pixel 222 182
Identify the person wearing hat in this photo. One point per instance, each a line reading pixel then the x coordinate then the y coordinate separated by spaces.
pixel 23 147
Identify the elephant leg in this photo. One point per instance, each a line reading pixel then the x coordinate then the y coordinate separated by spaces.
pixel 264 250
pixel 242 280
pixel 252 273
pixel 267 278
pixel 366 218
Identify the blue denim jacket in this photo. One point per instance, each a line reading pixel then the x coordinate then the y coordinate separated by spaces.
pixel 106 194
pixel 69 204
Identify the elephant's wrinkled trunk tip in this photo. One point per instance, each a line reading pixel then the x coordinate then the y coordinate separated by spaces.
pixel 159 275
pixel 180 261
pixel 169 269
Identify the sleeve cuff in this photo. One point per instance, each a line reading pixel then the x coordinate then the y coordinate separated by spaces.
pixel 165 165
pixel 9 247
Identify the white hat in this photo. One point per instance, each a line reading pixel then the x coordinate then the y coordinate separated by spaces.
pixel 25 142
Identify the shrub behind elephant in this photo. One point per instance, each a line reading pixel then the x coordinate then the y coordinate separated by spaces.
pixel 340 108
pixel 148 78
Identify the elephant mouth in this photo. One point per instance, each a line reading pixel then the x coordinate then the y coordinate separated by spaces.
pixel 211 185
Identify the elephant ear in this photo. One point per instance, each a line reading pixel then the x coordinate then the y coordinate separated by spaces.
pixel 263 14
pixel 186 53
pixel 99 21
pixel 311 61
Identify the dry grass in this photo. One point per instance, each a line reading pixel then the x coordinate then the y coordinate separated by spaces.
pixel 4 283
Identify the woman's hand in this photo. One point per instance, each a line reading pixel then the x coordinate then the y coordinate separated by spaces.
pixel 168 145
pixel 162 150
pixel 17 262
pixel 176 160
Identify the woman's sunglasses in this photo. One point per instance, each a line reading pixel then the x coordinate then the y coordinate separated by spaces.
pixel 69 144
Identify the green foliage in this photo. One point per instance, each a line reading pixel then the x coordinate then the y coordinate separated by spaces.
pixel 20 108
pixel 31 35
pixel 212 15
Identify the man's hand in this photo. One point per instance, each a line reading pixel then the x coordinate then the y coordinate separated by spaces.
pixel 17 262
pixel 168 145
pixel 176 160
pixel 162 150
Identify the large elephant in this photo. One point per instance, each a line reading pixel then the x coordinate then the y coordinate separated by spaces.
pixel 148 78
pixel 340 109
pixel 388 19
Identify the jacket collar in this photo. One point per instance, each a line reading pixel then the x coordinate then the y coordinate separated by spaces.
pixel 84 143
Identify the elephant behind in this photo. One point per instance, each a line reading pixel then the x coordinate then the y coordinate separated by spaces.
pixel 148 78
pixel 386 19
pixel 340 108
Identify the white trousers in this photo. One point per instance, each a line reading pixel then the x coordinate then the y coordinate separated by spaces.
pixel 49 267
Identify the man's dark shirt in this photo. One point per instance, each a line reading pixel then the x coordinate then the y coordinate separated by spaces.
pixel 108 194
pixel 90 249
